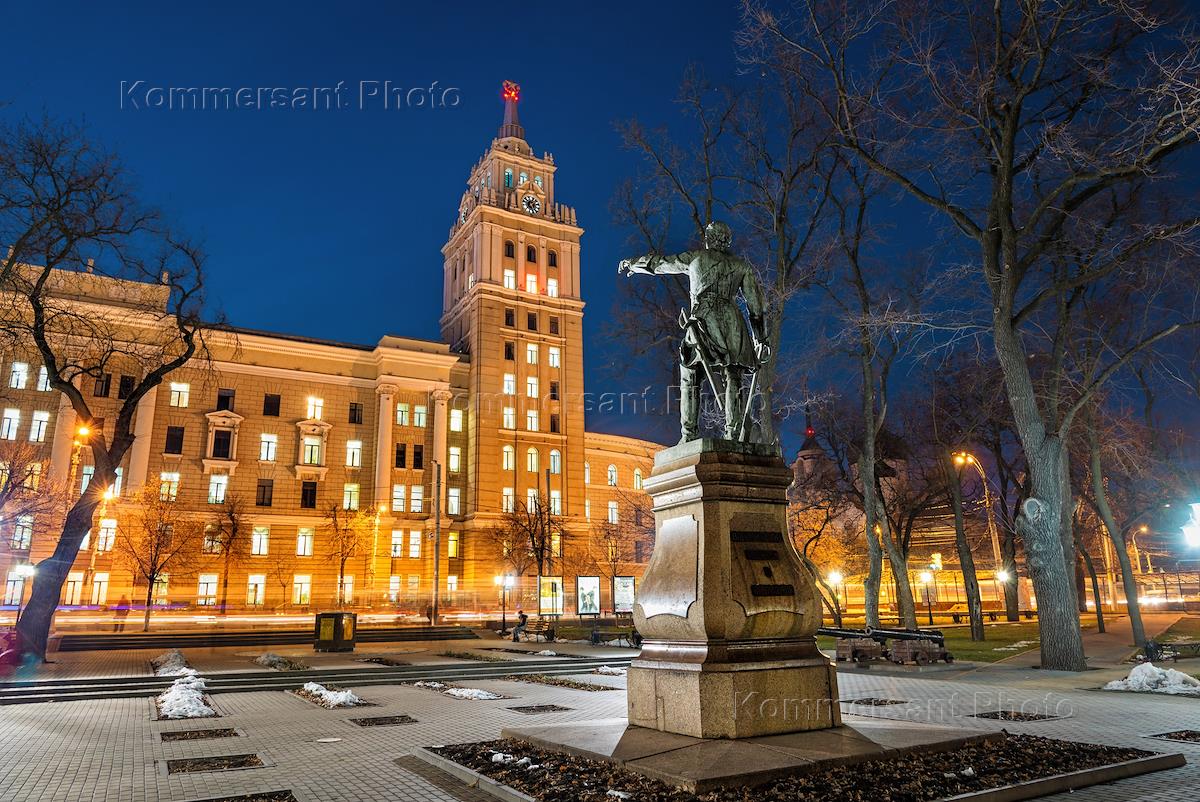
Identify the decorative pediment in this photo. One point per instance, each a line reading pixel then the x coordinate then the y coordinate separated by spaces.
pixel 314 426
pixel 224 419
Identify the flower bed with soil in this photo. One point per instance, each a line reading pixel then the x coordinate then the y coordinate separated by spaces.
pixel 558 682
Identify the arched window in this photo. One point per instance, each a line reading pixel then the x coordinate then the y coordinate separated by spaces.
pixel 612 475
pixel 508 178
pixel 530 254
pixel 587 473
pixel 508 458
pixel 510 250
pixel 555 461
pixel 637 478
pixel 531 460
pixel 537 179
pixel 553 258
pixel 524 178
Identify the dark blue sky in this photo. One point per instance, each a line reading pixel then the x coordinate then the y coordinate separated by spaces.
pixel 329 223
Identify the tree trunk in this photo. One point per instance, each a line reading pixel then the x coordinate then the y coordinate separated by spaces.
pixel 1091 569
pixel 225 585
pixel 149 605
pixel 905 604
pixel 1012 588
pixel 966 559
pixel 829 595
pixel 866 475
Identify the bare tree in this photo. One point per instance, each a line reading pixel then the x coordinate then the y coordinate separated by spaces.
pixel 156 539
pixel 347 535
pixel 69 213
pixel 227 536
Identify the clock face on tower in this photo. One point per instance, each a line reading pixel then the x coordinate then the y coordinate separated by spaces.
pixel 531 204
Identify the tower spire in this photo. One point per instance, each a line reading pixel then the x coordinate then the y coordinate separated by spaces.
pixel 511 92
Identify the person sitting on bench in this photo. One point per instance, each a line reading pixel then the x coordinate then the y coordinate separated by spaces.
pixel 519 629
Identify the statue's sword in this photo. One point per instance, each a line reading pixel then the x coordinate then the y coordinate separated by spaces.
pixel 763 352
pixel 686 322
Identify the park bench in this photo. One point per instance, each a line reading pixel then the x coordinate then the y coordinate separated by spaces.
pixel 1155 652
pixel 959 612
pixel 542 628
pixel 629 635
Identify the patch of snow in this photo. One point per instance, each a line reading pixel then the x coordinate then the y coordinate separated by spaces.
pixel 278 662
pixel 185 698
pixel 502 757
pixel 170 664
pixel 611 671
pixel 968 772
pixel 1149 678
pixel 471 693
pixel 1020 645
pixel 331 698
pixel 435 686
pixel 546 653
pixel 617 794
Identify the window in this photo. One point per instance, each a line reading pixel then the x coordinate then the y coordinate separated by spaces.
pixel 510 317
pixel 507 500
pixel 531 420
pixel 224 399
pixel 530 253
pixel 554 324
pixel 206 591
pixel 554 357
pixel 531 499
pixel 510 418
pixel 43 383
pixel 419 416
pixel 452 583
pixel 531 321
pixel 531 283
pixel 553 391
pixel 14 588
pixel 256 589
pixel 454 459
pixel 217 485
pixel 414 583
pixel 587 473
pixel 267 444
pixel 100 587
pixel 174 444
pixel 312 449
pixel 74 588
pixel 37 429
pixel 308 495
pixel 508 182
pixel 531 354
pixel 510 350
pixel 264 495
pixel 531 387
pixel 271 405
pixel 454 501
pixel 356 412
pixel 350 496
pixel 401 456
pixel 22 533
pixel 222 444
pixel 301 588
pixel 212 539
pixel 259 540
pixel 524 178
pixel 86 477
pixel 555 461
pixel 552 287
pixel 168 485
pixel 510 279
pixel 414 544
pixel 125 386
pixel 116 487
pixel 315 408
pixel 104 385
pixel 397 543
pixel 399 494
pixel 179 394
pixel 555 544
pixel 418 457
pixel 612 475
pixel 613 512
pixel 354 453
pixel 637 478
pixel 18 377
pixel 452 545
pixel 394 586
pixel 9 424
pixel 108 534
pixel 556 502
pixel 417 499
pixel 510 383
pixel 587 508
pixel 304 542
pixel 402 414
pixel 33 476
pixel 553 257
pixel 456 420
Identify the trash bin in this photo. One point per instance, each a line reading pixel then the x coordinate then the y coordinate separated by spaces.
pixel 335 632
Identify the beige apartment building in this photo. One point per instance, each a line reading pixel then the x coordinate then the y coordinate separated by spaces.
pixel 291 427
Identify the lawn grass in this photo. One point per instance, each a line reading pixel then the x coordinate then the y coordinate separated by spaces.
pixel 1186 628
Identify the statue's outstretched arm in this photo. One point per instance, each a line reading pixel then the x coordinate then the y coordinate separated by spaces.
pixel 654 264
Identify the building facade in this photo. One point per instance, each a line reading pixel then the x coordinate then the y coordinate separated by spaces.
pixel 437 445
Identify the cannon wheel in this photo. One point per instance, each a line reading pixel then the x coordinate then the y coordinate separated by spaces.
pixel 921 659
pixel 949 658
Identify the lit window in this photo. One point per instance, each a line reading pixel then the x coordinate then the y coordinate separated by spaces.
pixel 266 447
pixel 87 472
pixel 612 475
pixel 259 540
pixel 22 533
pixel 394 586
pixel 510 384
pixel 613 512
pixel 18 376
pixel 419 415
pixel 301 588
pixel 116 487
pixel 256 589
pixel 587 473
pixel 217 485
pixel 414 545
pixel 531 420
pixel 397 543
pixel 345 588
pixel 454 460
pixel 531 350
pixel 43 383
pixel 108 534
pixel 33 476
pixel 531 283
pixel 555 461
pixel 508 178
pixel 316 407
pixel 507 458
pixel 537 179
pixel 510 279
pixel 418 499
pixel 9 424
pixel 510 418
pixel 453 501
pixel 168 485
pixel 531 499
pixel 507 500
pixel 524 178
pixel 100 587
pixel 552 287
pixel 452 545
pixel 451 583
pixel 553 358
pixel 212 539
pixel 312 449
pixel 637 478
pixel 555 544
pixel 556 502
pixel 350 496
pixel 587 508
pixel 531 387
pixel 402 414
pixel 399 494
pixel 354 453
pixel 531 460
pixel 37 429
pixel 179 394
pixel 456 420
pixel 304 542
pixel 206 592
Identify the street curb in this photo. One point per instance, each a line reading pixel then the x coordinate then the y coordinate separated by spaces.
pixel 470 777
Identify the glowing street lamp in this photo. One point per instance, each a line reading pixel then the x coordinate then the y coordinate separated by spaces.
pixel 1191 530
pixel 504 583
pixel 926 579
pixel 1002 576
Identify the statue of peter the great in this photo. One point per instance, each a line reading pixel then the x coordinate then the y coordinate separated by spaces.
pixel 717 337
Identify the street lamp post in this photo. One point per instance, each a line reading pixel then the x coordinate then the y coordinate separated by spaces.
pixel 926 579
pixel 963 458
pixel 505 582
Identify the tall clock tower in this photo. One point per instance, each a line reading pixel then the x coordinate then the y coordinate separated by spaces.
pixel 511 304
